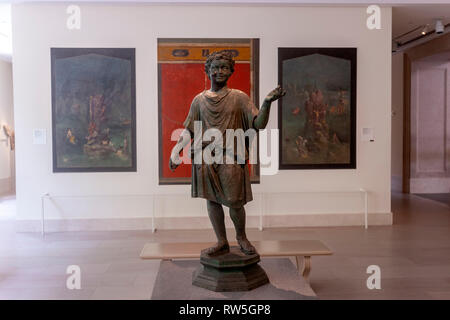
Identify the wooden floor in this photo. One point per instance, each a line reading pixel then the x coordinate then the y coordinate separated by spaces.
pixel 413 254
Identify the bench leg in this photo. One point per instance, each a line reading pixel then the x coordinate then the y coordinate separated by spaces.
pixel 306 266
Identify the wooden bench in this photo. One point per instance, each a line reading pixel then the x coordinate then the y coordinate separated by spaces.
pixel 284 248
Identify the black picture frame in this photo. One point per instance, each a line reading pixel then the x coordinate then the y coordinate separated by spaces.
pixel 127 54
pixel 349 54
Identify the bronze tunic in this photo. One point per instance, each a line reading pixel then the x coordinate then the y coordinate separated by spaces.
pixel 227 184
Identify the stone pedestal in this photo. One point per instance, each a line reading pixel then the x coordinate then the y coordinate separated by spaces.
pixel 233 271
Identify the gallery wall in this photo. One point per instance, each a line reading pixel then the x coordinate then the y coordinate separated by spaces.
pixel 83 201
pixel 6 117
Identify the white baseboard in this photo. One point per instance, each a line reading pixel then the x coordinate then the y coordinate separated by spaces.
pixel 303 220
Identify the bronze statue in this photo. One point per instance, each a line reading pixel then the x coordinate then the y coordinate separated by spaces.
pixel 224 184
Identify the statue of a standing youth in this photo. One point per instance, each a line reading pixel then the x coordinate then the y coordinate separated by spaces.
pixel 224 184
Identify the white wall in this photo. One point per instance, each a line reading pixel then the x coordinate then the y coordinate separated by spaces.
pixel 6 117
pixel 38 27
pixel 397 121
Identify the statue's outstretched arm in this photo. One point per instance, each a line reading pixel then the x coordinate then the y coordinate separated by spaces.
pixel 262 118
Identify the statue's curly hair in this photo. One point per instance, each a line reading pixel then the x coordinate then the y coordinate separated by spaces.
pixel 217 55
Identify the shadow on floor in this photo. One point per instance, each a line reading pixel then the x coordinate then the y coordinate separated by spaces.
pixel 439 197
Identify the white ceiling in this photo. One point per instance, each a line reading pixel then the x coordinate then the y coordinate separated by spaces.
pixel 406 18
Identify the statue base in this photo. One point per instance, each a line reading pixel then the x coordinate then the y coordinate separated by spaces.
pixel 233 271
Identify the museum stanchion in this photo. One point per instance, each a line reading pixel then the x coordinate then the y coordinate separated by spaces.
pixel 264 196
pixel 44 196
pixel 152 198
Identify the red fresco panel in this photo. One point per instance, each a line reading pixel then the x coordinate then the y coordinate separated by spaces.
pixel 180 83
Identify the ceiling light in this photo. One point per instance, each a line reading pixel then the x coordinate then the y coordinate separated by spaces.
pixel 424 30
pixel 439 27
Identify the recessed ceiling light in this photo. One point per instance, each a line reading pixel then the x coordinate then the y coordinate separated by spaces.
pixel 424 30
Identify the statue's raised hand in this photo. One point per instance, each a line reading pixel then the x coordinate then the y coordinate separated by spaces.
pixel 172 165
pixel 275 94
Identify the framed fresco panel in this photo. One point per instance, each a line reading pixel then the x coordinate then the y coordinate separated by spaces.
pixel 317 117
pixel 93 109
pixel 181 77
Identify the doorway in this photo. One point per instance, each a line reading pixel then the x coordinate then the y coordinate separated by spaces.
pixel 426 134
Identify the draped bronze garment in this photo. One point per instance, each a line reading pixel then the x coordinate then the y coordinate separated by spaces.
pixel 227 184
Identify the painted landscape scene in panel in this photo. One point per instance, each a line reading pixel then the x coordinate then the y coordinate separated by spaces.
pixel 316 118
pixel 93 112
